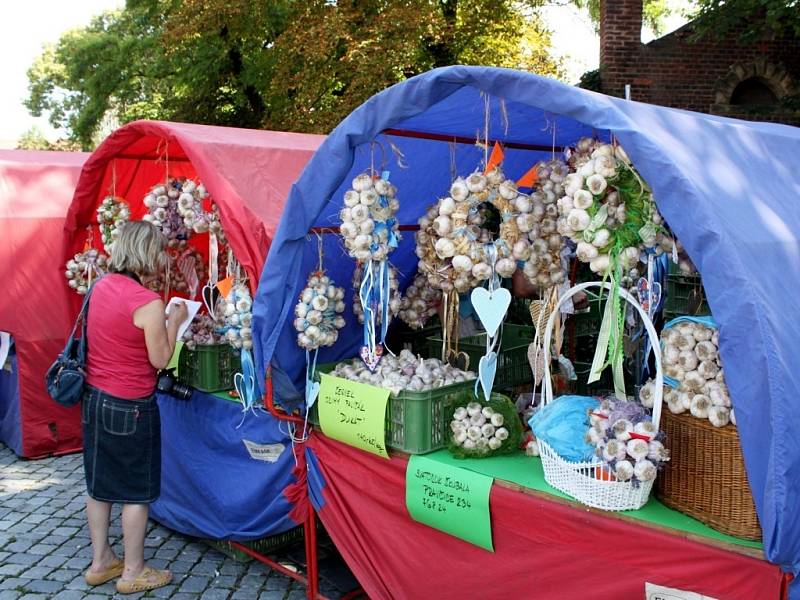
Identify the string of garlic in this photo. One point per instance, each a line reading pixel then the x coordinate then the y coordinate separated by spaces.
pixel 237 317
pixel 162 204
pixel 112 213
pixel 318 313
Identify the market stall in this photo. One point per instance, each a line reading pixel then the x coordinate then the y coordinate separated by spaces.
pixel 35 191
pixel 217 195
pixel 722 187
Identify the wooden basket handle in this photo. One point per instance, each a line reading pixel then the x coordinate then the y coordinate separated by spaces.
pixel 648 325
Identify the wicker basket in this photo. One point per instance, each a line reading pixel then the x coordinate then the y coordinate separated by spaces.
pixel 715 492
pixel 588 482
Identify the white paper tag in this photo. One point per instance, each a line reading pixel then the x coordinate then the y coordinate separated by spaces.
pixel 658 592
pixel 266 452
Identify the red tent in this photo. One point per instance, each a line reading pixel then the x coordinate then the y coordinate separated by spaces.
pixel 248 173
pixel 35 191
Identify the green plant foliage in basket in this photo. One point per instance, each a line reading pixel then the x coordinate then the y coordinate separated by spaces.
pixel 498 405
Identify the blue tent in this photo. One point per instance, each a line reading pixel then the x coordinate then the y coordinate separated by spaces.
pixel 729 189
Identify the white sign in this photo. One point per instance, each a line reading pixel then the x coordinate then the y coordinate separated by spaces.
pixel 658 592
pixel 266 452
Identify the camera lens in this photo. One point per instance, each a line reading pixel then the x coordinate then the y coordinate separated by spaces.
pixel 181 391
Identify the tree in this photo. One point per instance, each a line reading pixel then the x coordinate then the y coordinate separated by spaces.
pixel 753 19
pixel 654 12
pixel 284 64
pixel 33 139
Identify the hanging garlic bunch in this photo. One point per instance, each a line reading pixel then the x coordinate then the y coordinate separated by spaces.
pixel 318 313
pixel 541 246
pixel 625 439
pixel 452 239
pixel 84 268
pixel 162 204
pixel 419 303
pixel 369 226
pixel 477 427
pixel 403 372
pixel 112 213
pixel 608 210
pixel 395 301
pixel 237 317
pixel 190 205
pixel 690 353
pixel 201 332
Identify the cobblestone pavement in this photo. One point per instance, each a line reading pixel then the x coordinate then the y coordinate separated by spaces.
pixel 44 546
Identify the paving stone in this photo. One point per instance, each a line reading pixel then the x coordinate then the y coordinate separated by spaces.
pixel 64 575
pixel 225 581
pixel 194 584
pixel 26 559
pixel 37 572
pixel 215 594
pixel 296 595
pixel 69 595
pixel 168 591
pixel 244 594
pixel 11 569
pixel 9 594
pixel 278 582
pixel 33 597
pixel 181 566
pixel 44 586
pixel 272 595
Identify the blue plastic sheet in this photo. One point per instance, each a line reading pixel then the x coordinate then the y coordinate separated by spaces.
pixel 727 188
pixel 211 486
pixel 563 424
pixel 10 424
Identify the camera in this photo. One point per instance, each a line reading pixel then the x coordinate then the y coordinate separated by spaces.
pixel 169 384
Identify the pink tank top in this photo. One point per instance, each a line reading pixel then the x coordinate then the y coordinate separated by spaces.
pixel 117 361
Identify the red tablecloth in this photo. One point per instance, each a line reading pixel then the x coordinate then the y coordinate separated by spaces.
pixel 544 548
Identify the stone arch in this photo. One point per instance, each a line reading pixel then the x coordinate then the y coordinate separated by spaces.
pixel 772 76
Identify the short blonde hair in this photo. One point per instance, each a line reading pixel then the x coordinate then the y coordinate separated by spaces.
pixel 139 249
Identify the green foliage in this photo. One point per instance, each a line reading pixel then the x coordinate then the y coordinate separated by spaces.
pixel 591 80
pixel 753 19
pixel 654 12
pixel 297 65
pixel 33 139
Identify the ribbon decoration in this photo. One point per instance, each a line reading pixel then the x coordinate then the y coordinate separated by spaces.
pixel 609 341
pixel 213 258
pixel 245 384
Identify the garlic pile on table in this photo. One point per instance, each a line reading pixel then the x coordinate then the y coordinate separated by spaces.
pixel 451 241
pixel 626 440
pixel 112 213
pixel 419 303
pixel 84 268
pixel 237 317
pixel 190 204
pixel 541 245
pixel 394 294
pixel 690 354
pixel 368 225
pixel 403 372
pixel 477 427
pixel 162 203
pixel 318 313
pixel 201 332
pixel 608 210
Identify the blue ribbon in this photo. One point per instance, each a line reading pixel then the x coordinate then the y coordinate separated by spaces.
pixel 245 383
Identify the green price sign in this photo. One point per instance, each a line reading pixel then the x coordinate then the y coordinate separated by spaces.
pixel 354 413
pixel 450 499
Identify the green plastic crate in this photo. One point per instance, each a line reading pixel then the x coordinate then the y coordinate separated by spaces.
pixel 416 340
pixel 209 368
pixel 679 289
pixel 265 545
pixel 587 322
pixel 513 368
pixel 416 422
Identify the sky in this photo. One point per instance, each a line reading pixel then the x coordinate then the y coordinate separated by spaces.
pixel 26 26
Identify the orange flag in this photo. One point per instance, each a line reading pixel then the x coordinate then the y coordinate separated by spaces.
pixel 529 179
pixel 224 286
pixel 496 158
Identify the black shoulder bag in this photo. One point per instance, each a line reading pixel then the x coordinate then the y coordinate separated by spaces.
pixel 65 378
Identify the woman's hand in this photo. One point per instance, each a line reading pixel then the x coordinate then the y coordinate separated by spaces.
pixel 177 314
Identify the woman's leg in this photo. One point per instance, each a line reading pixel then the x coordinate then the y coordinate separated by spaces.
pixel 134 527
pixel 98 514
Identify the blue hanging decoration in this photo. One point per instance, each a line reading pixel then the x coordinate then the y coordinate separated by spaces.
pixel 245 384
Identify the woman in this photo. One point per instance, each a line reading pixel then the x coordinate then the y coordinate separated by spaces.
pixel 128 342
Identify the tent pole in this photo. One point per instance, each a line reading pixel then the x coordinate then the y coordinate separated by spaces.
pixel 324 230
pixel 441 137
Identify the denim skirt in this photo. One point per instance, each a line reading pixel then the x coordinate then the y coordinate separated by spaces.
pixel 121 447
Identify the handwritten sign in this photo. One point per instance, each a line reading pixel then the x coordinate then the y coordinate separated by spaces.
pixel 354 413
pixel 450 499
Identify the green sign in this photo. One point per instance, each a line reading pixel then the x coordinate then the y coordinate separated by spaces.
pixel 353 413
pixel 450 499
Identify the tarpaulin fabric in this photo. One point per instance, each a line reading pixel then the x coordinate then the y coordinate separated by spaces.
pixel 35 191
pixel 10 425
pixel 726 187
pixel 543 548
pixel 222 477
pixel 246 171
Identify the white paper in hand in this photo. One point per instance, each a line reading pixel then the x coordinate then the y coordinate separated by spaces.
pixel 192 307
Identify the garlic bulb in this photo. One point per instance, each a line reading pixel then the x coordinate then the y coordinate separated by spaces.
pixel 84 268
pixel 419 303
pixel 176 212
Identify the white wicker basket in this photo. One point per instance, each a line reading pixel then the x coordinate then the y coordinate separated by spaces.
pixel 581 480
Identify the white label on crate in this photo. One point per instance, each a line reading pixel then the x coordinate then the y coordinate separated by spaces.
pixel 266 452
pixel 658 592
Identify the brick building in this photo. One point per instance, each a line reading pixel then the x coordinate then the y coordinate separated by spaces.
pixel 758 81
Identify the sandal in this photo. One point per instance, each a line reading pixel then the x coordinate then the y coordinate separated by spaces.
pixel 100 577
pixel 148 579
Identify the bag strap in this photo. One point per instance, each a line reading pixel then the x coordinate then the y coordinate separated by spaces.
pixel 81 320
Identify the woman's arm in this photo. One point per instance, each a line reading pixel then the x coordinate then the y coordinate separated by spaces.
pixel 159 336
